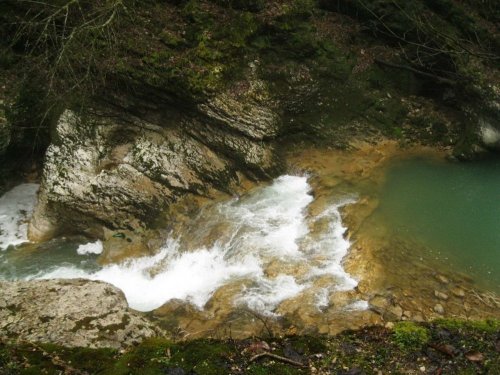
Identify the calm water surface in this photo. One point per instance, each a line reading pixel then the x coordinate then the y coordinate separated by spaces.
pixel 452 208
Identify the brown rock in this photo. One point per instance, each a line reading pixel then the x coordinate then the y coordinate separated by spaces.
pixel 458 292
pixel 439 309
pixel 441 295
pixel 442 279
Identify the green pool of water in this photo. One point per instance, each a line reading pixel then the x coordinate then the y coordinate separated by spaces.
pixel 30 260
pixel 451 208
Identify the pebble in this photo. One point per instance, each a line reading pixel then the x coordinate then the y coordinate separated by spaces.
pixel 439 309
pixel 442 279
pixel 418 317
pixel 458 292
pixel 422 369
pixel 389 325
pixel 441 295
pixel 394 312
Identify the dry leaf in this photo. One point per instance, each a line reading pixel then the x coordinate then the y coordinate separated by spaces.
pixel 474 356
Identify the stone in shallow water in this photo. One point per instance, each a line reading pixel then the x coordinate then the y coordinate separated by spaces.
pixel 439 309
pixel 383 306
pixel 70 312
pixel 442 279
pixel 441 295
pixel 458 292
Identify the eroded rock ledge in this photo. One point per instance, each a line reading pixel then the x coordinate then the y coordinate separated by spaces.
pixel 119 166
pixel 52 311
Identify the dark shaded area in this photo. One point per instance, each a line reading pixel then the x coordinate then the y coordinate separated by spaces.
pixel 418 71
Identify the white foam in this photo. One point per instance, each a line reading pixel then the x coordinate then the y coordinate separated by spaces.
pixel 357 306
pixel 331 247
pixel 16 207
pixel 322 298
pixel 192 276
pixel 90 248
pixel 262 228
pixel 272 220
pixel 269 293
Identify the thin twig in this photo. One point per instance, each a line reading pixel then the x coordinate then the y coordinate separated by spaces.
pixel 278 357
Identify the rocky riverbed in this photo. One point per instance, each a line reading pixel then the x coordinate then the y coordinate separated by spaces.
pixel 391 280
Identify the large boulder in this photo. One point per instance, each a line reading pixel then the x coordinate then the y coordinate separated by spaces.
pixel 123 165
pixel 72 313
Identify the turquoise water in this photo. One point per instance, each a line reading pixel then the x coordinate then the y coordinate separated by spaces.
pixel 31 260
pixel 451 208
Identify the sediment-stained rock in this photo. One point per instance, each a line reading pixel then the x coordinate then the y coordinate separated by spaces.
pixel 114 170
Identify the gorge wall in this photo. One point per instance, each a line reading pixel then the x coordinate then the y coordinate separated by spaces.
pixel 155 101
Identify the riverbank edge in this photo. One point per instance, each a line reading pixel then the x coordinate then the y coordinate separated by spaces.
pixel 444 346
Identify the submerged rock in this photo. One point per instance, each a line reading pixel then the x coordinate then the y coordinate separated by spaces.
pixel 440 295
pixel 439 309
pixel 72 313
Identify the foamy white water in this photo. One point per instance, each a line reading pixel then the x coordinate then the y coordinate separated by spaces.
pixel 331 247
pixel 90 248
pixel 16 207
pixel 258 238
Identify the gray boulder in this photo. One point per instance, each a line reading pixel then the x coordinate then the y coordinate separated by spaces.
pixel 74 313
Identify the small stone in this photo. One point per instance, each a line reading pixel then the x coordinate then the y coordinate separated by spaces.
pixel 458 292
pixel 441 295
pixel 389 325
pixel 394 312
pixel 407 314
pixel 442 279
pixel 379 304
pixel 418 317
pixel 439 309
pixel 422 368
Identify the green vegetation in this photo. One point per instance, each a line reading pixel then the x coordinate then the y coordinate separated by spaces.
pixel 447 346
pixel 336 68
pixel 410 336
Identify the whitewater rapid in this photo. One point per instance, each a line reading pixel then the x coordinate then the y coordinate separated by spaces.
pixel 251 240
pixel 16 207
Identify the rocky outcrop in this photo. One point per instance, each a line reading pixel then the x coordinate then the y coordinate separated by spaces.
pixel 52 311
pixel 121 166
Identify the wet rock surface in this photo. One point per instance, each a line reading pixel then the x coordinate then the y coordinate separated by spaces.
pixel 72 313
pixel 121 165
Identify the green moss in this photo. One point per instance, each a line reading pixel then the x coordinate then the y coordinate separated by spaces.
pixel 409 336
pixel 30 359
pixel 149 358
pixel 308 344
pixel 203 356
pixel 389 351
pixel 489 326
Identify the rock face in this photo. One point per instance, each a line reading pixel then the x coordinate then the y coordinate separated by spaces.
pixel 120 167
pixel 52 311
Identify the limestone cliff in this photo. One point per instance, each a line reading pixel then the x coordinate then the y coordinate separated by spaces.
pixel 112 169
